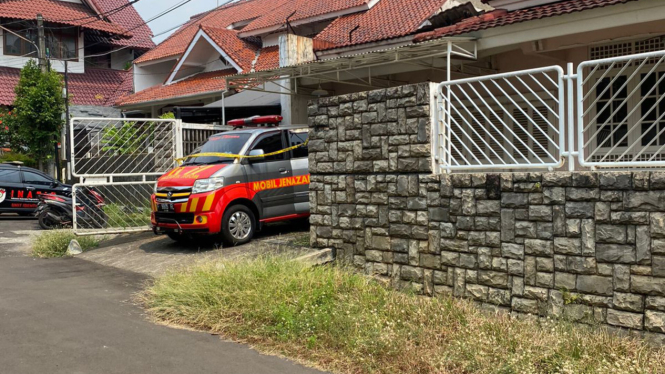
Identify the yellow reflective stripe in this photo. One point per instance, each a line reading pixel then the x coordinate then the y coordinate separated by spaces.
pixel 192 206
pixel 231 155
pixel 183 194
pixel 208 202
pixel 160 194
pixel 183 208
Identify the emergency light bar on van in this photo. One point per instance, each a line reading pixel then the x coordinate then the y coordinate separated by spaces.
pixel 256 121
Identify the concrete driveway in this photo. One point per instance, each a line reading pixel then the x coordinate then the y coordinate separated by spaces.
pixel 75 316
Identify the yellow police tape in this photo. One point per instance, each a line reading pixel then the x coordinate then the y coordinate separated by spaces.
pixel 231 155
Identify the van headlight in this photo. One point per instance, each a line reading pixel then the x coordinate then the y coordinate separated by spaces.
pixel 206 185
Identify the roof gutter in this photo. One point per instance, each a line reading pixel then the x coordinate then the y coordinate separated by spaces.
pixel 201 95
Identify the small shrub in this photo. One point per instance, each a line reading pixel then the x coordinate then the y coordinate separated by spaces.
pixel 54 243
pixel 127 216
pixel 348 323
pixel 25 159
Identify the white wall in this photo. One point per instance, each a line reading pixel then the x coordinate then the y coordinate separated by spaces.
pixel 146 76
pixel 120 58
pixel 18 62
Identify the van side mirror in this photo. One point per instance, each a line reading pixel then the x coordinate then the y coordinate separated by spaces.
pixel 55 184
pixel 256 152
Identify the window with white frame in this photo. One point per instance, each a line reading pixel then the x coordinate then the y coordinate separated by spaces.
pixel 627 106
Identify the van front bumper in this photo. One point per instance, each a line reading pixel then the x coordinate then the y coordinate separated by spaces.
pixel 202 223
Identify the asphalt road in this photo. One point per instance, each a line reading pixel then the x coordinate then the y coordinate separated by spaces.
pixel 76 317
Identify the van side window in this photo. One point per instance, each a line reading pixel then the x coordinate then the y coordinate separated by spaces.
pixel 298 137
pixel 271 143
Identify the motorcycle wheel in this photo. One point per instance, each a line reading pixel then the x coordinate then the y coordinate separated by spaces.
pixel 45 222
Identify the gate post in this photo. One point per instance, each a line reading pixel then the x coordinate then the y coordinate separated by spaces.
pixel 570 110
pixel 178 139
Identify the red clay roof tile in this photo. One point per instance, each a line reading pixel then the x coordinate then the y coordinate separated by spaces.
pixel 59 12
pixel 388 19
pixel 101 87
pixel 130 20
pixel 202 83
pixel 501 18
pixel 268 59
pixel 240 50
pixel 296 10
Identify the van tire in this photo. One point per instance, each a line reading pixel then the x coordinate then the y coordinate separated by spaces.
pixel 238 225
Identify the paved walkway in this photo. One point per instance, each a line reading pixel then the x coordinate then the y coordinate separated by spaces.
pixel 73 316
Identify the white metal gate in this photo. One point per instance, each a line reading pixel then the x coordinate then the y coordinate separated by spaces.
pixel 609 114
pixel 117 162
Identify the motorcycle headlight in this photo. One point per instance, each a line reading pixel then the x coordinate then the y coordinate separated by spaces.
pixel 206 185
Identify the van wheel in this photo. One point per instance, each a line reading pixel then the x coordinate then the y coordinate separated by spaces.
pixel 238 225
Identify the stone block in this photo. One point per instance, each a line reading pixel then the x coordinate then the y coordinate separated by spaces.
pixel 630 218
pixel 514 200
pixel 524 305
pixel 565 281
pixel 642 245
pixel 611 234
pixel 411 273
pixel 559 221
pixel 657 180
pixel 616 180
pixel 515 267
pixel 493 278
pixel 628 301
pixel 545 264
pixel 616 253
pixel 568 246
pixel 554 195
pixel 595 284
pixel 525 229
pixel 625 319
pixel 557 179
pixel 573 228
pixel 538 247
pixel 658 266
pixel 647 285
pixel 655 302
pixel 530 270
pixel 647 201
pixel 536 293
pixel 578 313
pixel 477 292
pixel 582 194
pixel 511 250
pixel 654 321
pixel 585 179
pixel 578 209
pixel 602 212
pixel 658 224
pixel 545 279
pixel 540 213
pixel 658 246
pixel 488 207
pixel 581 265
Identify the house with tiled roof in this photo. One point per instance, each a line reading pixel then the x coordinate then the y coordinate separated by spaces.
pixel 98 39
pixel 299 49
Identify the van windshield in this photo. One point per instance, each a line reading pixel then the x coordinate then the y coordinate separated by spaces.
pixel 220 143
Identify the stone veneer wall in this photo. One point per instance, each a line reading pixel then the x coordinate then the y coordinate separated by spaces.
pixel 588 246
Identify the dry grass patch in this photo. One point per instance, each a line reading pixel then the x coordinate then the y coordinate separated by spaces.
pixel 344 322
pixel 54 243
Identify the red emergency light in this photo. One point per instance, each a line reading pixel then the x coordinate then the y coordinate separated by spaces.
pixel 256 121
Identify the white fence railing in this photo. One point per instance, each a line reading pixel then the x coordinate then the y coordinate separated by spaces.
pixel 502 121
pixel 621 111
pixel 126 147
pixel 610 114
pixel 118 162
pixel 111 208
